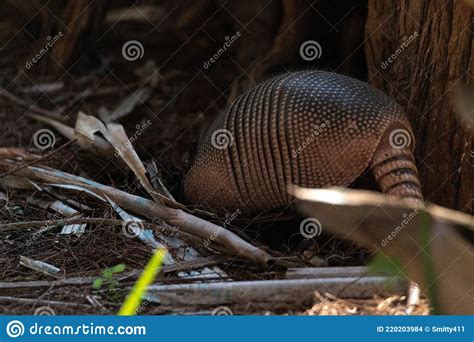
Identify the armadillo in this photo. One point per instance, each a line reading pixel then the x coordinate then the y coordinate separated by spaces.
pixel 311 128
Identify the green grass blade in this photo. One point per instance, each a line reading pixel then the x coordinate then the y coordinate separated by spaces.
pixel 427 259
pixel 134 298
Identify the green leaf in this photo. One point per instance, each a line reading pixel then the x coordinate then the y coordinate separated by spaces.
pixel 108 273
pixel 381 263
pixel 97 283
pixel 118 268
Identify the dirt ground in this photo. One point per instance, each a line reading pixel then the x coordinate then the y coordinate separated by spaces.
pixel 184 96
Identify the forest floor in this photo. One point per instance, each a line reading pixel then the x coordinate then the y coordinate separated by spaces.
pixel 182 95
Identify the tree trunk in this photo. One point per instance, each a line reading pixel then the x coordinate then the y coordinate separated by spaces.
pixel 419 51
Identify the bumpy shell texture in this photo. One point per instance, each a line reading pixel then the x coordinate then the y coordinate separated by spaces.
pixel 310 128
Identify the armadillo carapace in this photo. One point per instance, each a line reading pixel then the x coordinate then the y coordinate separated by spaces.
pixel 310 128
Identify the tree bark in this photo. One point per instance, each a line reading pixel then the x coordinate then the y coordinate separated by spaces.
pixel 419 51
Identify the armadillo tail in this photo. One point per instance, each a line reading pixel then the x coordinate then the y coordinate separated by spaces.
pixel 395 170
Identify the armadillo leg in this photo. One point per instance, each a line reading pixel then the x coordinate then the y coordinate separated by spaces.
pixel 394 166
pixel 396 174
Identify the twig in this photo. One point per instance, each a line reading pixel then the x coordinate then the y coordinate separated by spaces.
pixel 31 107
pixel 54 223
pixel 39 159
pixel 278 291
pixel 142 206
pixel 15 153
pixel 133 274
pixel 40 266
pixel 16 300
pixel 196 263
pixel 326 272
pixel 193 239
